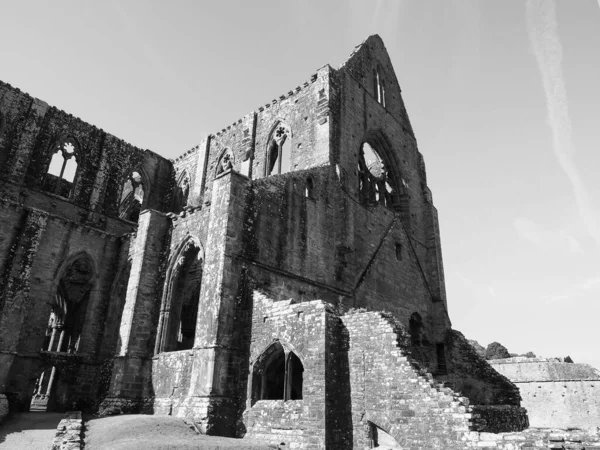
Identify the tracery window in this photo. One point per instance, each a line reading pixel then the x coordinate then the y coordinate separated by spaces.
pixel 279 150
pixel 374 182
pixel 63 168
pixel 179 310
pixel 132 197
pixel 225 162
pixel 66 321
pixel 278 375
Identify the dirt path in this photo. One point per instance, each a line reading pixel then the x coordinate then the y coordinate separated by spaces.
pixel 30 431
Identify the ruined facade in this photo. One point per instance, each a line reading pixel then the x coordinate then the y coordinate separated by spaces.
pixel 282 280
pixel 555 393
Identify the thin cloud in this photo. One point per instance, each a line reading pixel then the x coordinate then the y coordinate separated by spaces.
pixel 543 34
pixel 546 239
pixel 477 288
pixel 590 284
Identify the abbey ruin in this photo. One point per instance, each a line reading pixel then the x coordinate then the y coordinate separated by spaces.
pixel 283 280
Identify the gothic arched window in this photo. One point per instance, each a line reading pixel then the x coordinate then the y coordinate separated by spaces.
pixel 378 86
pixel 225 162
pixel 374 182
pixel 61 172
pixel 182 193
pixel 279 150
pixel 132 197
pixel 278 375
pixel 179 310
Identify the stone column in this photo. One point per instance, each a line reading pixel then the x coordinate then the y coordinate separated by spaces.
pixel 215 358
pixel 200 178
pixel 131 373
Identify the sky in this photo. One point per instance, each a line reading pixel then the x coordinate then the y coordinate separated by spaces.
pixel 503 97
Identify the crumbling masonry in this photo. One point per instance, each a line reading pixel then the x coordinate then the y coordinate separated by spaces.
pixel 282 280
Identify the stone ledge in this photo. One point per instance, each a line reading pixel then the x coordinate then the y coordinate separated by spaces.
pixel 69 432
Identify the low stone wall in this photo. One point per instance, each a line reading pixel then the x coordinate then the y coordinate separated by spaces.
pixel 118 405
pixel 69 432
pixel 555 393
pixel 278 421
pixel 535 439
pixel 499 418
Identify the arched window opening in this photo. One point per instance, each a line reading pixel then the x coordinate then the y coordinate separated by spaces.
pixel 177 329
pixel 61 172
pixel 398 251
pixel 273 382
pixel 225 162
pixel 65 324
pixel 279 151
pixel 375 184
pixel 379 438
pixel 132 197
pixel 278 375
pixel 309 190
pixel 416 329
pixel 182 193
pixel 294 378
pixel 379 87
pixel 442 368
pixel 42 390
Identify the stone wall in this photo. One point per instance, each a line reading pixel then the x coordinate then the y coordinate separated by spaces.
pixel 534 439
pixel 392 394
pixel 69 432
pixel 301 329
pixel 555 393
pixel 474 377
pixel 42 232
pixel 33 129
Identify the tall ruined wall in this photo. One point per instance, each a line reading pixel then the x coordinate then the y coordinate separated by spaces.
pixel 33 129
pixel 43 231
pixel 363 117
pixel 328 246
pixel 301 328
pixel 555 393
pixel 388 392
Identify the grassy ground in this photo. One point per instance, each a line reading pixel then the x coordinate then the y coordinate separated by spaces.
pixel 145 432
pixel 29 431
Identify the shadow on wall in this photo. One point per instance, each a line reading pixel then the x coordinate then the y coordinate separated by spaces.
pixel 472 376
